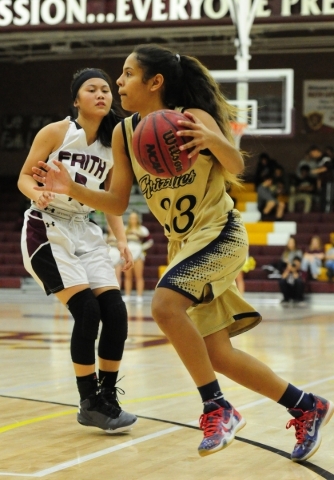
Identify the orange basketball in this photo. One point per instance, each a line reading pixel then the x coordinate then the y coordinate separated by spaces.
pixel 156 145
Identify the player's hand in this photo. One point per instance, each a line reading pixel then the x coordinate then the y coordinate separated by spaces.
pixel 202 136
pixel 126 256
pixel 44 199
pixel 54 178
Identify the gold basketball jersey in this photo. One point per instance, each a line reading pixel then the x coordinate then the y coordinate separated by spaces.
pixel 186 203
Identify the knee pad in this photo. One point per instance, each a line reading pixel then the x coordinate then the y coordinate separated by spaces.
pixel 114 332
pixel 85 310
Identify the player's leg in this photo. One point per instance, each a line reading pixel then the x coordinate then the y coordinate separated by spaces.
pixel 86 314
pixel 242 368
pixel 94 410
pixel 189 281
pixel 240 281
pixel 219 421
pixel 111 347
pixel 169 312
pixel 113 316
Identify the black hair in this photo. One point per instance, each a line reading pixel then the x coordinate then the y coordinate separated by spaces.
pixel 187 83
pixel 313 147
pixel 114 116
pixel 267 176
pixel 264 155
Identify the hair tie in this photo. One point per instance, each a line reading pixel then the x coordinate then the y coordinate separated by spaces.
pixel 178 58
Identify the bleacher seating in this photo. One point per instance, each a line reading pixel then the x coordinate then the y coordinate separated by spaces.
pixel 267 240
pixel 11 266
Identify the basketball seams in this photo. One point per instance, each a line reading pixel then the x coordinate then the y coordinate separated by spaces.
pixel 171 171
pixel 176 128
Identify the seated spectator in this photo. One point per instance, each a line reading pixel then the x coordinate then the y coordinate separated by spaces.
pixel 313 258
pixel 265 166
pixel 292 284
pixel 325 181
pixel 329 260
pixel 312 156
pixel 280 181
pixel 303 189
pixel 267 201
pixel 290 252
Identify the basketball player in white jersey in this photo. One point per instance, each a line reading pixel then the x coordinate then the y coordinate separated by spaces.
pixel 64 251
pixel 196 302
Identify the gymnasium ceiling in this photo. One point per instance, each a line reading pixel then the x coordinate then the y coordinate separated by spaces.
pixel 272 38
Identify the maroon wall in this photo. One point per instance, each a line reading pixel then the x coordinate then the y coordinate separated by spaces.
pixel 43 88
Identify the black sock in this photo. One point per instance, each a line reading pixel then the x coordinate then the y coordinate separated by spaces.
pixel 293 398
pixel 87 385
pixel 107 379
pixel 211 391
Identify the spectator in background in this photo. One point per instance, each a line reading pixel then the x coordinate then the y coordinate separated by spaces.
pixel 290 252
pixel 303 189
pixel 138 238
pixel 280 181
pixel 291 284
pixel 313 258
pixel 329 260
pixel 265 166
pixel 312 156
pixel 325 180
pixel 267 201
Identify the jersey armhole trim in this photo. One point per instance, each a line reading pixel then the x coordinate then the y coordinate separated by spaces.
pixel 125 139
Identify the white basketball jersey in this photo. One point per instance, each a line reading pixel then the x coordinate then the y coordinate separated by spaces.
pixel 87 164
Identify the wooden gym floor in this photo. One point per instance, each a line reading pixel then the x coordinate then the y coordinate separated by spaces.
pixel 40 437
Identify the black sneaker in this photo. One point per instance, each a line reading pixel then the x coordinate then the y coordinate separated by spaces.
pixel 95 411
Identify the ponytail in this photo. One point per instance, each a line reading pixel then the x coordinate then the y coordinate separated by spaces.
pixel 188 83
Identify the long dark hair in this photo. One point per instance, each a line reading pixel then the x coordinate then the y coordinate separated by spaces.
pixel 114 116
pixel 187 83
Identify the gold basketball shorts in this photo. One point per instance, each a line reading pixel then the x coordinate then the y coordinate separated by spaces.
pixel 204 270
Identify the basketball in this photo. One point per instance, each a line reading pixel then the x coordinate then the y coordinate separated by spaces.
pixel 156 145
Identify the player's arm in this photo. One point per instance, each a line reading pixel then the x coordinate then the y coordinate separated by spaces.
pixel 47 140
pixel 207 134
pixel 114 201
pixel 117 226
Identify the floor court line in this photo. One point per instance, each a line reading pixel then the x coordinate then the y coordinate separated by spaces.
pixel 92 456
pixel 62 466
pixel 194 422
pixel 121 446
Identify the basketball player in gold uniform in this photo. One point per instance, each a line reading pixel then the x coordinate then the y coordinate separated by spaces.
pixel 196 302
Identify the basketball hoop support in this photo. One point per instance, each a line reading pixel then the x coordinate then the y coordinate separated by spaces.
pixel 242 13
